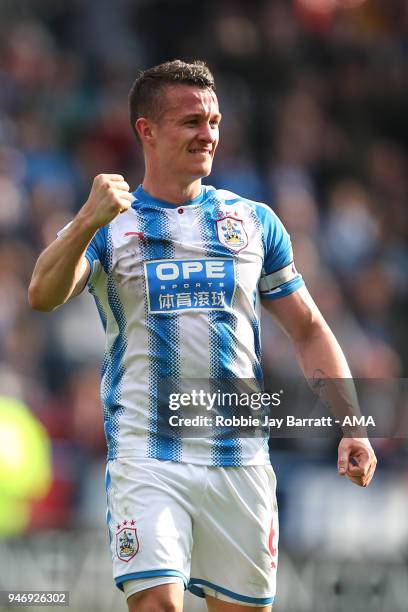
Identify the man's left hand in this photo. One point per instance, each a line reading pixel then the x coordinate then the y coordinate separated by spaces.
pixel 356 460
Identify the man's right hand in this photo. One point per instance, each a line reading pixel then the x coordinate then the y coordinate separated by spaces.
pixel 62 269
pixel 108 198
pixel 356 460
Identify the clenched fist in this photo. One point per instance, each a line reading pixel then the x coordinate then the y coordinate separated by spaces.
pixel 109 197
pixel 356 460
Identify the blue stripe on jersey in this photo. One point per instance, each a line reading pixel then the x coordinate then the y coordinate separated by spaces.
pixel 256 365
pixel 222 343
pixel 255 323
pixel 163 337
pixel 108 482
pixel 113 368
pixel 101 310
pixel 98 249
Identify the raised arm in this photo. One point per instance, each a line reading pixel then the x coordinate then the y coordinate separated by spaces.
pixel 62 269
pixel 319 355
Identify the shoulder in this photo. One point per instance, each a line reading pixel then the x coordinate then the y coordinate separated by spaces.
pixel 262 211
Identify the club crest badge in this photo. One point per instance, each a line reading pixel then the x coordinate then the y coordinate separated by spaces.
pixel 127 543
pixel 231 233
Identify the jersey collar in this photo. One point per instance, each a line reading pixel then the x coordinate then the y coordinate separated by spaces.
pixel 143 197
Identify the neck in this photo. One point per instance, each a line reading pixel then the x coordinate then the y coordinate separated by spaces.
pixel 171 191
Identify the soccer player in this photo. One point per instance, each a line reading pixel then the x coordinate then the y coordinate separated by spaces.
pixel 177 270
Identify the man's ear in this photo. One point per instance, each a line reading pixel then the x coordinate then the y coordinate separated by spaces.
pixel 146 130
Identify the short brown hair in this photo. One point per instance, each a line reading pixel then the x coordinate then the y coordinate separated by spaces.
pixel 145 99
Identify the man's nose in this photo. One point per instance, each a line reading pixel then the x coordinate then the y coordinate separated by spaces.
pixel 206 133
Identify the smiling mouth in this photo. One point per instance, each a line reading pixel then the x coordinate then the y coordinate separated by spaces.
pixel 200 151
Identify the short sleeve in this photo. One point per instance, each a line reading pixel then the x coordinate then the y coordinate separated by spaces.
pixel 96 253
pixel 279 276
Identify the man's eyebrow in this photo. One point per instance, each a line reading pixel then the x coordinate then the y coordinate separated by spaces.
pixel 198 115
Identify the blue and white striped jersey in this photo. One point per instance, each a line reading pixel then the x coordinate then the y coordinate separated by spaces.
pixel 178 291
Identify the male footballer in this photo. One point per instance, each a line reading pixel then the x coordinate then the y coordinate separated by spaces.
pixel 178 270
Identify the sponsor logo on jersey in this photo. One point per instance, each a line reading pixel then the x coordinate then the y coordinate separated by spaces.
pixel 190 284
pixel 127 543
pixel 231 233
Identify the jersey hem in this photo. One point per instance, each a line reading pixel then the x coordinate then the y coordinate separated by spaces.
pixel 119 580
pixel 194 587
pixel 264 459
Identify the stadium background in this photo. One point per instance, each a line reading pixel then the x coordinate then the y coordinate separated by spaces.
pixel 314 97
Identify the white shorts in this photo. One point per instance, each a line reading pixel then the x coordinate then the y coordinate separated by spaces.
pixel 213 528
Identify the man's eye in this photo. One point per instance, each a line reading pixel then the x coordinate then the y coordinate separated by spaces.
pixel 191 122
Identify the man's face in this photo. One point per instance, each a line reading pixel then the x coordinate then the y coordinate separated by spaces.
pixel 187 133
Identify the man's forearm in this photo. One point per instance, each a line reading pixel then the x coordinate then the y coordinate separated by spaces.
pixel 60 267
pixel 326 369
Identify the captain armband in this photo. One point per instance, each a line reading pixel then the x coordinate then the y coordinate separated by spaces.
pixel 271 283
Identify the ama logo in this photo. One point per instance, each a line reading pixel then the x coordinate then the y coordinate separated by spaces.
pixel 190 284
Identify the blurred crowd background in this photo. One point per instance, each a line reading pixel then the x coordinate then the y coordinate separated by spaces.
pixel 314 95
